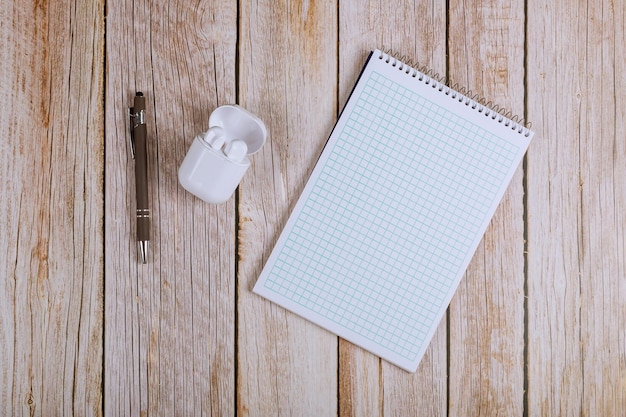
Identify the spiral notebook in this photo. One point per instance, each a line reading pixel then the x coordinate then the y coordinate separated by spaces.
pixel 393 211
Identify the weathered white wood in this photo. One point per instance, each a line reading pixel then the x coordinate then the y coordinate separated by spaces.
pixel 556 87
pixel 576 207
pixel 288 76
pixel 169 328
pixel 486 50
pixel 51 251
pixel 417 30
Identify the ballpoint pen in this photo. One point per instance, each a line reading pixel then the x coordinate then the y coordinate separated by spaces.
pixel 139 153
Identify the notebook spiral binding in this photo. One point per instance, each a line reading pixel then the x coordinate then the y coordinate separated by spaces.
pixel 460 93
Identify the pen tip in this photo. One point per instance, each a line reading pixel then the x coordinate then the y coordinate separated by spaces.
pixel 143 251
pixel 139 94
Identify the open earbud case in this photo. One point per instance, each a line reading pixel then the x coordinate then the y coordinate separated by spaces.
pixel 218 159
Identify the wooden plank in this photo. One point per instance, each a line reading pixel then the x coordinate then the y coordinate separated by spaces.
pixel 369 386
pixel 602 177
pixel 51 241
pixel 288 76
pixel 169 329
pixel 554 211
pixel 576 204
pixel 486 50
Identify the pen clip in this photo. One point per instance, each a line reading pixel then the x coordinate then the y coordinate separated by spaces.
pixel 136 120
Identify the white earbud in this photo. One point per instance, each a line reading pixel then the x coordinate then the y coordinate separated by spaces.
pixel 215 137
pixel 236 150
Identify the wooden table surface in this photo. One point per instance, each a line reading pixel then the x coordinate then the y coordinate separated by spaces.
pixel 536 328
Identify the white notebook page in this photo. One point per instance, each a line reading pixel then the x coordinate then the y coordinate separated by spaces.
pixel 392 213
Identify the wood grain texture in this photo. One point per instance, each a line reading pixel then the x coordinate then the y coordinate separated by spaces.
pixel 369 386
pixel 184 335
pixel 51 243
pixel 576 201
pixel 170 331
pixel 486 49
pixel 554 206
pixel 288 76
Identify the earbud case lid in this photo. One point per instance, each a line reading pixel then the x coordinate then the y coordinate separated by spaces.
pixel 239 123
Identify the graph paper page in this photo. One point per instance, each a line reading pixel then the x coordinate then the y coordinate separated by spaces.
pixel 392 214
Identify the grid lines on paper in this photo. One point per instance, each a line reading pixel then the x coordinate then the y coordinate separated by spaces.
pixel 388 223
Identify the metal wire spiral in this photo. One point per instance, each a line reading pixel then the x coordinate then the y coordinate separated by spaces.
pixel 455 91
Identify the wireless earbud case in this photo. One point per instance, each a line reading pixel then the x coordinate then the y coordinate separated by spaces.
pixel 207 172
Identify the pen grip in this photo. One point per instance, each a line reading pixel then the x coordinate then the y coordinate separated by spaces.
pixel 141 178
